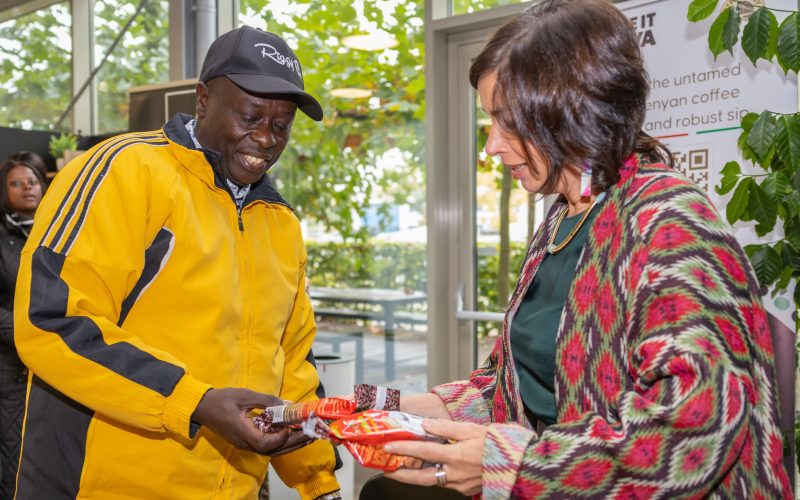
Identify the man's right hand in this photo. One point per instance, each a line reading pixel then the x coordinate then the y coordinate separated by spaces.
pixel 225 411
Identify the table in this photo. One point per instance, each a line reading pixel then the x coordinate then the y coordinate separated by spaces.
pixel 387 299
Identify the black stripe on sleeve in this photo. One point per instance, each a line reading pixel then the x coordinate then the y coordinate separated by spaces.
pixel 98 180
pixel 48 308
pixel 86 173
pixel 154 259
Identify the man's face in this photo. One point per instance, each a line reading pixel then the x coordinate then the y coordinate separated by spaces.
pixel 249 131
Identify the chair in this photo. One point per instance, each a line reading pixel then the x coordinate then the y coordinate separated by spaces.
pixel 380 487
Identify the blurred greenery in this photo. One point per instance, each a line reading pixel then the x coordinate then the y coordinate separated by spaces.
pixel 36 81
pixel 64 141
pixel 35 68
pixel 469 6
pixel 366 152
pixel 140 58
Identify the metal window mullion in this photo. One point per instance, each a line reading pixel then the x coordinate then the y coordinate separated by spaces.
pixel 227 15
pixel 83 41
pixel 178 44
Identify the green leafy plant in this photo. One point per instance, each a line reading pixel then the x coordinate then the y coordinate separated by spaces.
pixel 62 142
pixel 770 140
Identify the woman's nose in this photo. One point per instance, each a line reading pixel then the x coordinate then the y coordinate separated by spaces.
pixel 493 145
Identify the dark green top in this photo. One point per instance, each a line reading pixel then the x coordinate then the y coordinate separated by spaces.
pixel 534 327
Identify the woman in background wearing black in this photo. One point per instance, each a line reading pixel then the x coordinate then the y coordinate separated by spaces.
pixel 22 185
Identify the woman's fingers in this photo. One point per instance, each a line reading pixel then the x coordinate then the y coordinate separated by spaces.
pixel 458 431
pixel 461 461
pixel 427 451
pixel 422 477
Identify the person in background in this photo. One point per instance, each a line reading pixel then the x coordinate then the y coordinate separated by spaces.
pixel 32 159
pixel 21 188
pixel 636 359
pixel 161 299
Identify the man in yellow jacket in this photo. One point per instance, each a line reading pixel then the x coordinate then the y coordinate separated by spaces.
pixel 160 299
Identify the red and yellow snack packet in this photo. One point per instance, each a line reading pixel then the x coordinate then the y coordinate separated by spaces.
pixel 364 435
pixel 375 457
pixel 378 427
pixel 297 413
pixel 367 396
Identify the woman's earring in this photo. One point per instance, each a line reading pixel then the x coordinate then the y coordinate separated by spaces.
pixel 586 180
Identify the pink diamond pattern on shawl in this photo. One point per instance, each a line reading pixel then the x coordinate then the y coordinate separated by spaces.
pixel 608 310
pixel 588 475
pixel 645 452
pixel 697 411
pixel 635 491
pixel 670 309
pixel 693 461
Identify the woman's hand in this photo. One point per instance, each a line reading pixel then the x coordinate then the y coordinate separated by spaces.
pixel 425 405
pixel 462 461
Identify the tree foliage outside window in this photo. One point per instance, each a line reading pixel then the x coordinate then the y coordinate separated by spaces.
pixel 141 57
pixel 36 62
pixel 366 152
pixel 468 6
pixel 35 68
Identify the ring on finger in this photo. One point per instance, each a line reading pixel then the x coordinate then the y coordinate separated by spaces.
pixel 440 475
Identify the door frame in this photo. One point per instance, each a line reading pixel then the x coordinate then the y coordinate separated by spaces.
pixel 450 159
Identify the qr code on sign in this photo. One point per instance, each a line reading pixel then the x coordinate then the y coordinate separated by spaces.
pixel 694 164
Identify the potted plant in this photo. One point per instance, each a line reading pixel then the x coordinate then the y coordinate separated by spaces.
pixel 769 140
pixel 59 146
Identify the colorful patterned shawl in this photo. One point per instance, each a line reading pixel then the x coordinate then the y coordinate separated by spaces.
pixel 665 384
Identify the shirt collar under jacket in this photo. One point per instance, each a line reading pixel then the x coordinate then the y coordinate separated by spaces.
pixel 239 192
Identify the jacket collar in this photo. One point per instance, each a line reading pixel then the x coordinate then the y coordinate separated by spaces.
pixel 175 131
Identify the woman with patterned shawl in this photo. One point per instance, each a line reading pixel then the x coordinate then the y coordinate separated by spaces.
pixel 635 359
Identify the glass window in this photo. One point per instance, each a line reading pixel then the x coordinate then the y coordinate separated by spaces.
pixel 469 6
pixel 35 56
pixel 141 57
pixel 357 179
pixel 505 218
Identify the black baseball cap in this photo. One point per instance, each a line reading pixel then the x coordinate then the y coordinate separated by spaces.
pixel 259 62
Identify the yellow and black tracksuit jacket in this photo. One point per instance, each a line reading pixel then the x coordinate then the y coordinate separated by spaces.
pixel 142 286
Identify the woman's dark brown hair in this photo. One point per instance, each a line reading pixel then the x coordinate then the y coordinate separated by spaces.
pixel 5 168
pixel 570 81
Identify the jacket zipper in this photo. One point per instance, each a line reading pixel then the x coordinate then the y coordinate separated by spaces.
pixel 239 215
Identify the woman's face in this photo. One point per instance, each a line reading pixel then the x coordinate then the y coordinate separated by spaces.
pixel 24 190
pixel 509 148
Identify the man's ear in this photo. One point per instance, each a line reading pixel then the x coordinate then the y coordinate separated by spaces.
pixel 201 102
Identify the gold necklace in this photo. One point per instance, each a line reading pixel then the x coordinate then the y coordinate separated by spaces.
pixel 552 248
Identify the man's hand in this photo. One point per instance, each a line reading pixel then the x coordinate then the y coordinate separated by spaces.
pixel 224 411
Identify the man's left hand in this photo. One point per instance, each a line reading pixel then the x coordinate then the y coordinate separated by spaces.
pixel 461 462
pixel 225 411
